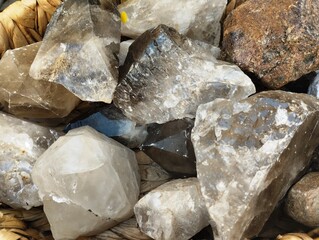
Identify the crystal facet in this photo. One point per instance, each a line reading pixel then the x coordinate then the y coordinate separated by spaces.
pixel 249 153
pixel 173 211
pixel 166 76
pixel 21 143
pixel 88 183
pixel 196 19
pixel 24 96
pixel 80 49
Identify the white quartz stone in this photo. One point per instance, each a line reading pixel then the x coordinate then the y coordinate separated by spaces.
pixel 88 183
pixel 124 46
pixel 21 143
pixel 173 211
pixel 197 19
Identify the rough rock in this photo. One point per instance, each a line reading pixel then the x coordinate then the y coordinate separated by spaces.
pixel 88 183
pixel 111 122
pixel 302 202
pixel 170 146
pixel 249 153
pixel 314 86
pixel 173 211
pixel 21 143
pixel 166 76
pixel 80 49
pixel 23 96
pixel 278 46
pixel 199 20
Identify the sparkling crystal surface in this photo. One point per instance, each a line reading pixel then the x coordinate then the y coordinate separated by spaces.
pixel 166 76
pixel 248 155
pixel 21 143
pixel 88 183
pixel 80 49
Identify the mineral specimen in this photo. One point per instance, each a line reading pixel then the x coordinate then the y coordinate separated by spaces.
pixel 124 46
pixel 197 19
pixel 24 96
pixel 280 45
pixel 111 122
pixel 302 203
pixel 88 183
pixel 314 87
pixel 249 153
pixel 80 49
pixel 21 143
pixel 170 146
pixel 173 211
pixel 166 77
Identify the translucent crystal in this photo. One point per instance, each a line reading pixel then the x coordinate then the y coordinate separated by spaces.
pixel 21 143
pixel 166 76
pixel 24 96
pixel 173 211
pixel 197 19
pixel 88 183
pixel 314 86
pixel 80 49
pixel 124 46
pixel 248 155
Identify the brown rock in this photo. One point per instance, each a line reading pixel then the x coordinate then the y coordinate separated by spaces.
pixel 277 40
pixel 303 200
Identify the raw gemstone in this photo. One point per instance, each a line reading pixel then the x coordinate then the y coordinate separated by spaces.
pixel 302 203
pixel 80 49
pixel 249 153
pixel 170 146
pixel 88 183
pixel 111 122
pixel 196 19
pixel 173 211
pixel 166 76
pixel 24 96
pixel 314 87
pixel 21 143
pixel 278 46
pixel 124 46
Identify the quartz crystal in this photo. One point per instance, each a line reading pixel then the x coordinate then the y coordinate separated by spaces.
pixel 197 19
pixel 88 183
pixel 302 203
pixel 111 122
pixel 276 40
pixel 24 96
pixel 21 143
pixel 80 49
pixel 124 46
pixel 170 146
pixel 314 86
pixel 173 211
pixel 248 155
pixel 166 76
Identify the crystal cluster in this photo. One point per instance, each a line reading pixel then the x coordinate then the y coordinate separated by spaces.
pixel 173 211
pixel 196 19
pixel 80 49
pixel 249 154
pixel 21 143
pixel 88 183
pixel 166 77
pixel 24 96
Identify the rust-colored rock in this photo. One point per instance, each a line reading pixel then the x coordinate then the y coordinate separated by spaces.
pixel 277 40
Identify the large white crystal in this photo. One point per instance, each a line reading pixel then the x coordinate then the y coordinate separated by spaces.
pixel 88 183
pixel 166 76
pixel 21 143
pixel 80 49
pixel 197 19
pixel 248 155
pixel 173 211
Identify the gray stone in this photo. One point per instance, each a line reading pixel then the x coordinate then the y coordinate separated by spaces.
pixel 302 202
pixel 21 143
pixel 173 211
pixel 249 154
pixel 166 76
pixel 80 49
pixel 88 183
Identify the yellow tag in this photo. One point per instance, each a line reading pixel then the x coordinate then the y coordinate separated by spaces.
pixel 124 17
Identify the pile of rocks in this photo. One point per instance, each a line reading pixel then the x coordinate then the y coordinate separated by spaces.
pixel 181 113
